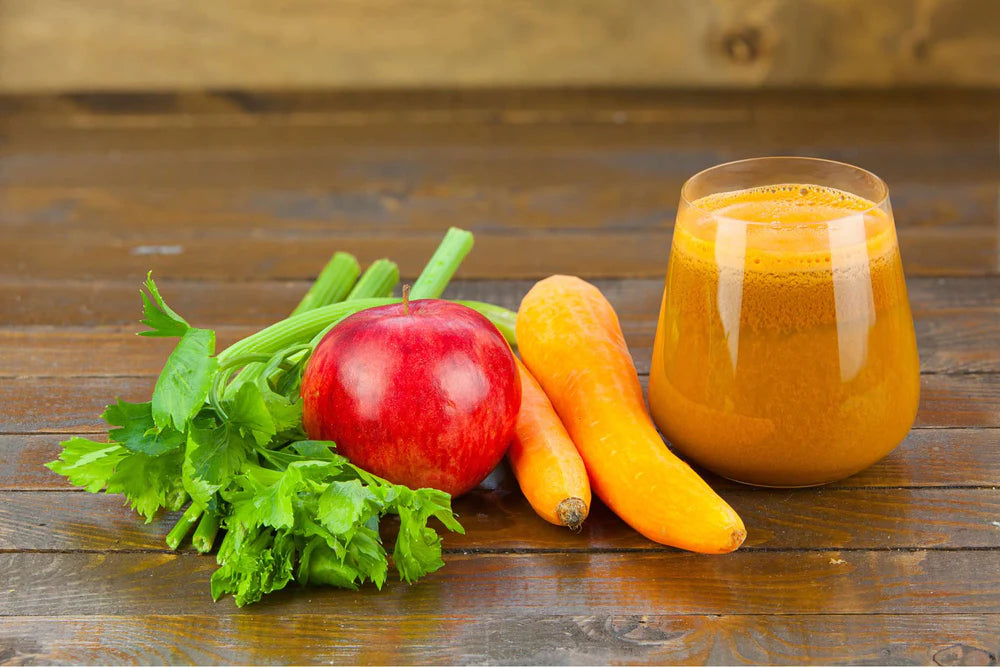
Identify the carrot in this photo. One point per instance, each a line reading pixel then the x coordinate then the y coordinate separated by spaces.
pixel 545 461
pixel 569 338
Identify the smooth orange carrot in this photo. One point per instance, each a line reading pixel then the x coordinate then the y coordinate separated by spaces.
pixel 545 461
pixel 569 338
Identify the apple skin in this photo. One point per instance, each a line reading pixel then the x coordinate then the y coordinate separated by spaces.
pixel 424 394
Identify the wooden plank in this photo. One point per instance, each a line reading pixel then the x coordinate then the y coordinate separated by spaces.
pixel 936 235
pixel 416 147
pixel 223 304
pixel 114 302
pixel 25 457
pixel 81 256
pixel 936 457
pixel 501 520
pixel 959 400
pixel 52 45
pixel 645 203
pixel 383 163
pixel 604 177
pixel 195 255
pixel 502 585
pixel 297 119
pixel 102 353
pixel 957 321
pixel 480 105
pixel 52 405
pixel 523 638
pixel 928 458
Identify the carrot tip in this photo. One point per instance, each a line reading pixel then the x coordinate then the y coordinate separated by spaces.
pixel 736 539
pixel 571 512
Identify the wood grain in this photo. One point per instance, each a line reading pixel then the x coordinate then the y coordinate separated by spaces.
pixel 523 638
pixel 480 105
pixel 644 203
pixel 81 255
pixel 115 303
pixel 499 585
pixel 428 144
pixel 501 520
pixel 53 45
pixel 928 458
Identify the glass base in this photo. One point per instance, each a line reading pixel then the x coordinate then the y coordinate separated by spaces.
pixel 781 486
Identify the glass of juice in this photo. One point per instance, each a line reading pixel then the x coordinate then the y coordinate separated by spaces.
pixel 785 354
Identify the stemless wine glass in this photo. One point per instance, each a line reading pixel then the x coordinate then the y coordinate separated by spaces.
pixel 785 353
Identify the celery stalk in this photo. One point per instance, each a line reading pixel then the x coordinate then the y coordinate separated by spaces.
pixel 204 534
pixel 183 525
pixel 455 245
pixel 377 281
pixel 301 327
pixel 297 329
pixel 333 284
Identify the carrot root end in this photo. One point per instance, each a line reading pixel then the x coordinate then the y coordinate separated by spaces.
pixel 736 538
pixel 572 512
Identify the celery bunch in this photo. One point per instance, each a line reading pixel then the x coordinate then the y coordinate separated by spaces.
pixel 224 431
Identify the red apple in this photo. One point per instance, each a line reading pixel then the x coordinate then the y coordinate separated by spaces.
pixel 423 393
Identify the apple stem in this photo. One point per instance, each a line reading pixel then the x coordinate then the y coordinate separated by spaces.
pixel 406 299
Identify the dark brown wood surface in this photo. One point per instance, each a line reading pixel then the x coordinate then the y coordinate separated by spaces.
pixel 235 200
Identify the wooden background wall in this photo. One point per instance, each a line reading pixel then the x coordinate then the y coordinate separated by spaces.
pixel 60 45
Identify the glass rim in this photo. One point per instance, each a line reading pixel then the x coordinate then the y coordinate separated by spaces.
pixel 880 203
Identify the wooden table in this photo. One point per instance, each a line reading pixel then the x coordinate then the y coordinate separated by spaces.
pixel 235 200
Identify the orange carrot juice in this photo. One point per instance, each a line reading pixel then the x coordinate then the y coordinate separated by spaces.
pixel 785 352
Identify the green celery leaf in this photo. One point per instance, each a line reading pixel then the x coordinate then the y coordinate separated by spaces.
pixel 264 497
pixel 150 482
pixel 214 454
pixel 260 566
pixel 286 414
pixel 317 449
pixel 319 564
pixel 87 463
pixel 185 380
pixel 312 470
pixel 137 431
pixel 158 316
pixel 278 502
pixel 276 505
pixel 438 504
pixel 247 410
pixel 367 555
pixel 328 511
pixel 390 495
pixel 418 548
pixel 314 450
pixel 306 527
pixel 345 504
pixel 243 521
